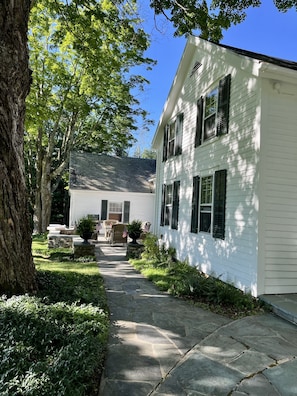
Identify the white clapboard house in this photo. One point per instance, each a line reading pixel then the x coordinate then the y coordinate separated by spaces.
pixel 110 187
pixel 226 185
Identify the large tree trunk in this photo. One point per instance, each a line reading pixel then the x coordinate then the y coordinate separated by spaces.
pixel 17 272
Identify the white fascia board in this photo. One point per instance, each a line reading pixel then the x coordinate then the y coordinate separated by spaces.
pixel 175 88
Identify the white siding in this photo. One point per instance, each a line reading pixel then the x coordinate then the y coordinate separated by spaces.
pixel 259 253
pixel 280 189
pixel 84 202
pixel 235 258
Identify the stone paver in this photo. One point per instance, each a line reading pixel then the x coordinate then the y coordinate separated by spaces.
pixel 160 345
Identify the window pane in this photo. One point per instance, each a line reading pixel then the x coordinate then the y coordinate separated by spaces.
pixel 171 139
pixel 206 204
pixel 206 190
pixel 168 214
pixel 211 103
pixel 115 211
pixel 210 114
pixel 209 127
pixel 168 208
pixel 169 194
pixel 172 131
pixel 115 207
pixel 205 221
pixel 171 148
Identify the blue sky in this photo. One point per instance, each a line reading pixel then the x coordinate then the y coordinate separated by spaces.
pixel 265 30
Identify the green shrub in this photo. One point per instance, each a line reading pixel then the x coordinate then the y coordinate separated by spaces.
pixel 151 248
pixel 159 255
pixel 54 343
pixel 184 281
pixel 49 349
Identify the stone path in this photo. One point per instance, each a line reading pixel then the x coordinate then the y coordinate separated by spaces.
pixel 163 346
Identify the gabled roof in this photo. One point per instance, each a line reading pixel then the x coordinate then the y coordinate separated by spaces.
pixel 194 42
pixel 265 58
pixel 107 173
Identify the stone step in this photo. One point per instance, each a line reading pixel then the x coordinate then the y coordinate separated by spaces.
pixel 282 305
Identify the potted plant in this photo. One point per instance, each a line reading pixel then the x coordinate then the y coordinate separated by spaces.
pixel 134 230
pixel 85 228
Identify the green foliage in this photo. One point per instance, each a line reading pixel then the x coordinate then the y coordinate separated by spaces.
pixel 184 281
pixel 134 227
pixel 160 255
pixel 85 226
pixel 285 5
pixel 82 87
pixel 54 343
pixel 208 19
pixel 151 251
pixel 83 92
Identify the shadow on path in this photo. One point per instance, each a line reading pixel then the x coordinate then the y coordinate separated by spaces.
pixel 150 331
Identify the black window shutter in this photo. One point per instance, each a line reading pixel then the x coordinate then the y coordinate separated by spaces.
pixel 223 105
pixel 103 209
pixel 219 205
pixel 195 204
pixel 199 122
pixel 163 204
pixel 126 211
pixel 165 142
pixel 175 205
pixel 179 134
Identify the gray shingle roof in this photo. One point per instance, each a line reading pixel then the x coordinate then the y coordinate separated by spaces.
pixel 266 58
pixel 103 172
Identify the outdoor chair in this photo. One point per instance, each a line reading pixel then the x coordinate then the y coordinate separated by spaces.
pixel 118 234
pixel 107 224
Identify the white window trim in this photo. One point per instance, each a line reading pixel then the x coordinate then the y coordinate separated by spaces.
pixel 110 203
pixel 206 204
pixel 213 135
pixel 168 205
pixel 170 153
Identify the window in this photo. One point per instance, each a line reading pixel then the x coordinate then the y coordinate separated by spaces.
pixel 210 111
pixel 172 145
pixel 171 139
pixel 170 205
pixel 115 211
pixel 213 112
pixel 208 204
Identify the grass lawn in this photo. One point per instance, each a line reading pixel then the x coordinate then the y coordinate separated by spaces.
pixel 54 343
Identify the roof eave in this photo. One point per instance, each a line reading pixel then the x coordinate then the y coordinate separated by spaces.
pixel 178 81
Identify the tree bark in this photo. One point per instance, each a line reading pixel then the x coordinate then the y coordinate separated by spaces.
pixel 17 271
pixel 46 173
pixel 46 193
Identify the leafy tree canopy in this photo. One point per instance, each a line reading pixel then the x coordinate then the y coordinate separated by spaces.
pixel 81 55
pixel 83 94
pixel 209 18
